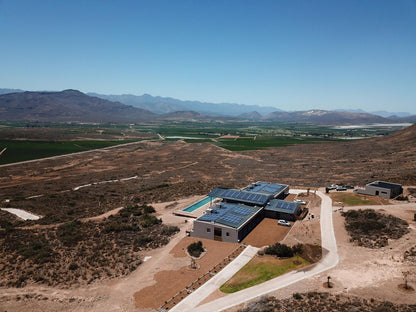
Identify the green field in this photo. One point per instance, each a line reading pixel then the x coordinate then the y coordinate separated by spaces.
pixel 260 270
pixel 56 139
pixel 19 150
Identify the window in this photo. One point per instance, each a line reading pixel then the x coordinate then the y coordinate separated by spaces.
pixel 208 230
pixel 227 234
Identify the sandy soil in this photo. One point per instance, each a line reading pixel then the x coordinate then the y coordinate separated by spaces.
pixel 171 279
pixel 267 233
pixel 308 230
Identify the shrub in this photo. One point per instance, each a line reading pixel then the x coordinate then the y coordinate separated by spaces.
pixel 195 249
pixel 372 229
pixel 279 250
pixel 169 230
pixel 142 240
pixel 297 249
pixel 73 266
pixel 297 296
pixel 148 221
pixel 148 209
pixel 38 250
pixel 70 233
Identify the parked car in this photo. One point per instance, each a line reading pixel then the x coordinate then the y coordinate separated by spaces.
pixel 341 188
pixel 350 187
pixel 333 187
pixel 283 222
pixel 302 202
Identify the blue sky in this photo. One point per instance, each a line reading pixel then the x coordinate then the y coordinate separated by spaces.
pixel 293 55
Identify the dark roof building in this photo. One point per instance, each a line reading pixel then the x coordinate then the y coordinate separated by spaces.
pixel 382 189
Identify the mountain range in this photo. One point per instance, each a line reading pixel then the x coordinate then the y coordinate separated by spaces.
pixel 75 106
pixel 164 105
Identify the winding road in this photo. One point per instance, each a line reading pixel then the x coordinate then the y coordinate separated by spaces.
pixel 330 259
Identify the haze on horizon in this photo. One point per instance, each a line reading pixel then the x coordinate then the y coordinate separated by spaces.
pixel 293 55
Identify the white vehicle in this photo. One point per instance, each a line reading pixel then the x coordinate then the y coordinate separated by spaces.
pixel 302 202
pixel 283 222
pixel 333 187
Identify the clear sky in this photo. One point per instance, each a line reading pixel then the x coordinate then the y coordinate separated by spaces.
pixel 290 54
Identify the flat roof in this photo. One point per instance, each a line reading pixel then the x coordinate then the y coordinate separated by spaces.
pixel 266 188
pixel 254 198
pixel 230 214
pixel 282 206
pixel 383 184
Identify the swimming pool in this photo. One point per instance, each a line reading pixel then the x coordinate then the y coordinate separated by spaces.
pixel 198 204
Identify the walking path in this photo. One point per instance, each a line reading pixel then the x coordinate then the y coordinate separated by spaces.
pixel 330 259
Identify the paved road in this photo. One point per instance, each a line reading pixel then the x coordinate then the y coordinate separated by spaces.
pixel 329 260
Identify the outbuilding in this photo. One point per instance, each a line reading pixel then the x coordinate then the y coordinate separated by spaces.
pixel 382 189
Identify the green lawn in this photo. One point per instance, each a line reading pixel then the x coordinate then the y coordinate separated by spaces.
pixel 260 270
pixel 19 150
pixel 352 199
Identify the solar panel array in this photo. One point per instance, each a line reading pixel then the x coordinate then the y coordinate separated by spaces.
pixel 217 192
pixel 264 187
pixel 245 197
pixel 282 206
pixel 242 211
pixel 231 219
pixel 233 215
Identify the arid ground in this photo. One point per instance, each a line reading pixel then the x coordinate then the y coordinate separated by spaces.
pixel 169 175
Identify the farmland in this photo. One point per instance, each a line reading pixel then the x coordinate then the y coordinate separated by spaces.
pixel 20 142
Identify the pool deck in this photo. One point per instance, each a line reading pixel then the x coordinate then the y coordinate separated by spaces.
pixel 196 213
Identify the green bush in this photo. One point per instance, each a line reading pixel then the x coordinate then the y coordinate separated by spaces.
pixel 279 250
pixel 195 249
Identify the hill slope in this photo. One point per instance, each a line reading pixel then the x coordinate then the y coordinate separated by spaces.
pixel 67 106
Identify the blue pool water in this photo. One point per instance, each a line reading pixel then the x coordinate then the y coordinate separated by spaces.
pixel 198 204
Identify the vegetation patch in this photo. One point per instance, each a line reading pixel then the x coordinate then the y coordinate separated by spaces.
pixel 77 252
pixel 314 301
pixel 372 229
pixel 196 249
pixel 280 250
pixel 352 199
pixel 262 269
